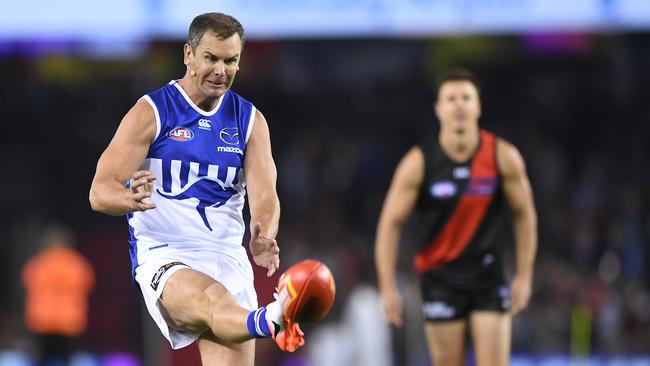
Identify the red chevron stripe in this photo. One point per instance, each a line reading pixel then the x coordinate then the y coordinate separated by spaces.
pixel 468 214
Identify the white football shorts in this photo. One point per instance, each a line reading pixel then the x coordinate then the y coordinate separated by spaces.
pixel 229 267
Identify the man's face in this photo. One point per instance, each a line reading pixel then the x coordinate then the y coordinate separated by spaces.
pixel 458 105
pixel 215 62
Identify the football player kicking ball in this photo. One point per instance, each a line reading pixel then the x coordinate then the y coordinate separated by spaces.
pixel 179 167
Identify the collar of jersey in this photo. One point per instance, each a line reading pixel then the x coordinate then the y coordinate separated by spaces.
pixel 192 104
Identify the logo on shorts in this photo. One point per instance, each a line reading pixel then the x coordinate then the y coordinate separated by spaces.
pixel 437 310
pixel 504 293
pixel 161 271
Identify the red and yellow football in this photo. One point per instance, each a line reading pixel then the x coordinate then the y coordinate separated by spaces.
pixel 311 289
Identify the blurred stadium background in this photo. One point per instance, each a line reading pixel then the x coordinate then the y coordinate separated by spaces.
pixel 347 88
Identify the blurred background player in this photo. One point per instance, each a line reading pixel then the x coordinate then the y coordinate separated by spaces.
pixel 58 281
pixel 458 184
pixel 187 154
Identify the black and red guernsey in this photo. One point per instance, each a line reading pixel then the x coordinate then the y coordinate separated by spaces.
pixel 458 212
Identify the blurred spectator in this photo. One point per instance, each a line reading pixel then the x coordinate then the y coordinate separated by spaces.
pixel 361 338
pixel 58 281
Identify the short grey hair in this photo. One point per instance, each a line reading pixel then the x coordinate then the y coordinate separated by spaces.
pixel 222 24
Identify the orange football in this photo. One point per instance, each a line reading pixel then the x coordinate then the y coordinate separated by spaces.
pixel 310 286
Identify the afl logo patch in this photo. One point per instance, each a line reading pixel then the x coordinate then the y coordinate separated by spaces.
pixel 180 134
pixel 443 189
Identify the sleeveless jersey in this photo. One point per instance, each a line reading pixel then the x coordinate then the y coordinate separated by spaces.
pixel 198 160
pixel 458 212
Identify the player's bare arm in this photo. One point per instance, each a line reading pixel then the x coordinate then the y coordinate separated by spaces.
pixel 261 176
pixel 518 192
pixel 398 205
pixel 119 163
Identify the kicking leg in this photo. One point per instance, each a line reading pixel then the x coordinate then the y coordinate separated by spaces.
pixel 195 302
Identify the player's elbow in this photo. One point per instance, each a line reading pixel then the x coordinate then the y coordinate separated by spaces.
pixel 389 221
pixel 525 215
pixel 94 201
pixel 97 203
pixel 265 201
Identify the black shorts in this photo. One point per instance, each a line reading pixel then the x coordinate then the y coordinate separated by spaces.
pixel 453 292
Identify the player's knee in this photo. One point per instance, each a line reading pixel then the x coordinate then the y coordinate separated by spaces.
pixel 217 295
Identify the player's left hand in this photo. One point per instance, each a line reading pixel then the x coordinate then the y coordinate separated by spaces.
pixel 520 290
pixel 265 251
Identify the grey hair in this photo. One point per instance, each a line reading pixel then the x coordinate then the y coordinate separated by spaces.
pixel 222 24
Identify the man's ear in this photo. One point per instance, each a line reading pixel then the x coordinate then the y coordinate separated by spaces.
pixel 187 54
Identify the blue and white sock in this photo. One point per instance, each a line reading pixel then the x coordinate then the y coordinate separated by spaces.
pixel 259 320
pixel 257 324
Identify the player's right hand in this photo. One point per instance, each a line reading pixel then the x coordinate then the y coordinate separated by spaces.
pixel 393 305
pixel 141 189
pixel 265 251
pixel 520 291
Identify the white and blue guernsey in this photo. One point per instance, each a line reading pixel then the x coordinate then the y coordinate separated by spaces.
pixel 198 160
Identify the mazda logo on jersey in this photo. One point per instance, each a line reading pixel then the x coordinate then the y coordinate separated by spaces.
pixel 180 134
pixel 229 135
